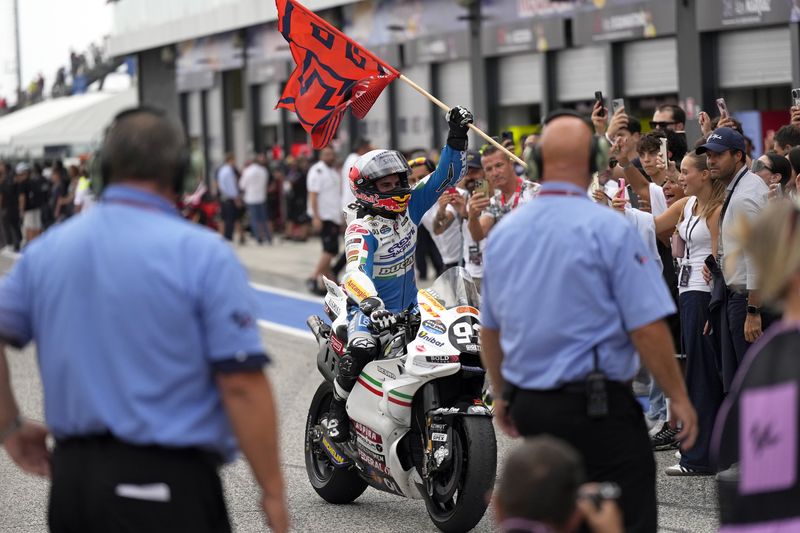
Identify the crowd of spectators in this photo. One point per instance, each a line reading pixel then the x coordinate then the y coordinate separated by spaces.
pixel 687 199
pixel 84 68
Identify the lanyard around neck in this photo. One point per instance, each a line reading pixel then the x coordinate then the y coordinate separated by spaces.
pixel 517 194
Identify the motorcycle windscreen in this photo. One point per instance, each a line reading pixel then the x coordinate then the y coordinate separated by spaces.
pixel 454 288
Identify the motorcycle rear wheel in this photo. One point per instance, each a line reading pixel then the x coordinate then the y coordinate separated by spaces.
pixel 459 498
pixel 334 485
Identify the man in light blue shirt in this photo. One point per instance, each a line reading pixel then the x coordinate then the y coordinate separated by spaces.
pixel 228 188
pixel 150 357
pixel 569 295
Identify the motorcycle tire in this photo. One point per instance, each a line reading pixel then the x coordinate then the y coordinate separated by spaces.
pixel 474 469
pixel 334 485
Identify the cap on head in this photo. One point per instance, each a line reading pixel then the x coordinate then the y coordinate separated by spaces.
pixel 22 168
pixel 722 140
pixel 473 159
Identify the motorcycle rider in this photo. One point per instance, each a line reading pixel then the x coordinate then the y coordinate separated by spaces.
pixel 380 241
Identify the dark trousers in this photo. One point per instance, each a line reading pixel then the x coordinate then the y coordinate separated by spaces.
pixel 101 485
pixel 733 345
pixel 702 378
pixel 12 229
pixel 229 215
pixel 614 448
pixel 427 248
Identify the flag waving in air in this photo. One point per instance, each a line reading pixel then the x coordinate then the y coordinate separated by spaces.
pixel 333 73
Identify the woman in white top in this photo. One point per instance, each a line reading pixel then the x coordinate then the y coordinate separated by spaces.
pixel 697 219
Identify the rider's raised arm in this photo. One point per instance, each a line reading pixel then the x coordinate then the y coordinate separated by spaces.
pixel 452 165
pixel 449 172
pixel 359 247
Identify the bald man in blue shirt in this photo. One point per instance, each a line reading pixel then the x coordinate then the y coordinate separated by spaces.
pixel 150 357
pixel 569 296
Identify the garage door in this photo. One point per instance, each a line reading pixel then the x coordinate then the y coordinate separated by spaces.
pixel 520 79
pixel 580 72
pixel 755 58
pixel 651 67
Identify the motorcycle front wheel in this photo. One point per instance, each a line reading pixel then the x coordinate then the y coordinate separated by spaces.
pixel 334 485
pixel 459 494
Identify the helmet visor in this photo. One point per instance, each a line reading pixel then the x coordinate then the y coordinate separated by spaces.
pixel 385 164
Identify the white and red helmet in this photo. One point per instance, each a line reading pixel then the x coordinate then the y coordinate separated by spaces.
pixel 373 166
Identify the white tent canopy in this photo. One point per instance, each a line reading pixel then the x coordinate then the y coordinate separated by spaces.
pixel 76 121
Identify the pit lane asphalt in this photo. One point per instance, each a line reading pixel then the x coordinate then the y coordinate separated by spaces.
pixel 685 504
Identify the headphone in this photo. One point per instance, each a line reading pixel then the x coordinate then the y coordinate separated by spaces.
pixel 594 148
pixel 184 161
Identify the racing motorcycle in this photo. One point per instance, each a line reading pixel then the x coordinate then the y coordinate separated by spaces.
pixel 419 428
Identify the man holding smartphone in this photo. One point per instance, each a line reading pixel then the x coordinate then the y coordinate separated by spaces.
pixel 455 214
pixel 511 191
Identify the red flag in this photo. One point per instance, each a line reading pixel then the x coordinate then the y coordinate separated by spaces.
pixel 333 73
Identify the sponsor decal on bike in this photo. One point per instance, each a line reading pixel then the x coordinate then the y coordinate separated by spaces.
pixel 367 433
pixel 439 437
pixel 386 373
pixel 428 309
pixel 335 456
pixel 420 348
pixel 432 299
pixel 442 359
pixel 337 344
pixel 467 310
pixel 427 338
pixel 435 327
pixel 372 462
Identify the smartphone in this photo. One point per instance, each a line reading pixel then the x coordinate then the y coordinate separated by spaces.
pixel 723 108
pixel 598 97
pixel 664 151
pixel 796 97
pixel 481 186
pixel 617 104
pixel 623 192
pixel 451 190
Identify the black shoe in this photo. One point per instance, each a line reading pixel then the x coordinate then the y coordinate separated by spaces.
pixel 664 439
pixel 338 421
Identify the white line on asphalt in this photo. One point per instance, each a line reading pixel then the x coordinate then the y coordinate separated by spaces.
pixel 284 292
pixel 280 328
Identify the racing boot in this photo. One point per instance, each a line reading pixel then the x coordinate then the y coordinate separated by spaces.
pixel 338 424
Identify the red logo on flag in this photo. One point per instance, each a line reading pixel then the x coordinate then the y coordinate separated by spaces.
pixel 333 73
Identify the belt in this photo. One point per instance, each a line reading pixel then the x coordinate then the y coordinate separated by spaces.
pixel 573 387
pixel 108 440
pixel 739 289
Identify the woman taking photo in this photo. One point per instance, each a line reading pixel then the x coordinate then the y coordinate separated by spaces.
pixel 756 434
pixel 697 219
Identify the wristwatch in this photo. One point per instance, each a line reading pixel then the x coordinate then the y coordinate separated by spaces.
pixel 753 310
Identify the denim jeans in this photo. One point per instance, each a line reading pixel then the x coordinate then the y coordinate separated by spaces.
pixel 258 221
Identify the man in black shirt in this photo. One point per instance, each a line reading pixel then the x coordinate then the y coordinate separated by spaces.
pixel 9 204
pixel 33 193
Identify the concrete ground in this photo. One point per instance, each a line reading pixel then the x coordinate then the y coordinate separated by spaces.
pixel 685 504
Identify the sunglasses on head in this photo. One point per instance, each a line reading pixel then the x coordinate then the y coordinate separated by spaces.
pixel 758 166
pixel 658 125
